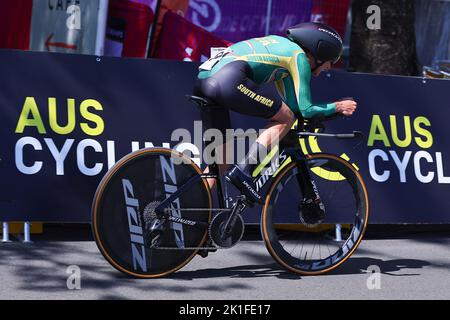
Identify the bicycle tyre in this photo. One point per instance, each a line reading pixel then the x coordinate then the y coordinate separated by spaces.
pixel 271 230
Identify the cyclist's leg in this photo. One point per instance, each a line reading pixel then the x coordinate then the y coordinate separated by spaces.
pixel 247 97
pixel 213 118
pixel 241 174
pixel 222 163
pixel 276 129
pixel 278 126
pixel 233 88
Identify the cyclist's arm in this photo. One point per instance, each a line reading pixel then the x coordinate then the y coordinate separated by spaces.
pixel 286 90
pixel 300 71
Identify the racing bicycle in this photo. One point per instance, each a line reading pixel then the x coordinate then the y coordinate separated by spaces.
pixel 153 210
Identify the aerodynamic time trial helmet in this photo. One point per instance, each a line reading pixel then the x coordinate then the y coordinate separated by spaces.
pixel 320 40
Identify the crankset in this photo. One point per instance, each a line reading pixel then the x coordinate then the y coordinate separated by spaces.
pixel 219 236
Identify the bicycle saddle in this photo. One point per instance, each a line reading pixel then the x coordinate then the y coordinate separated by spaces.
pixel 202 102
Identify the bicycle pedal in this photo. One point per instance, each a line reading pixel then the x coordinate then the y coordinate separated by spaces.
pixel 204 252
pixel 249 202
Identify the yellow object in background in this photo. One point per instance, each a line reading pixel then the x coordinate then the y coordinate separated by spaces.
pixel 302 227
pixel 17 227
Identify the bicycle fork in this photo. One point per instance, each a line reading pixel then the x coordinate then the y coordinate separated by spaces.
pixel 311 207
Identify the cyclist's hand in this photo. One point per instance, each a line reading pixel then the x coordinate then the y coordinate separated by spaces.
pixel 346 107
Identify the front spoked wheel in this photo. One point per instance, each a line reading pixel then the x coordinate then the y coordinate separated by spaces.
pixel 311 248
pixel 130 231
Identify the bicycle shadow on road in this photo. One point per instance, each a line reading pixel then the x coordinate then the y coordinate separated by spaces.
pixel 258 264
pixel 361 265
pixel 243 271
pixel 353 266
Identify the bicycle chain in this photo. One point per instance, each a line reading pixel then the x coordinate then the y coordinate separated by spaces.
pixel 187 248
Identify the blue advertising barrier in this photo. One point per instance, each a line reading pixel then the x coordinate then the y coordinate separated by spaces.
pixel 65 119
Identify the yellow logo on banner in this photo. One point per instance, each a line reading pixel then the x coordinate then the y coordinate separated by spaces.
pixel 320 171
pixel 31 117
pixel 314 147
pixel 401 150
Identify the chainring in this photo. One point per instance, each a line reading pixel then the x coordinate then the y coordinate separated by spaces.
pixel 216 226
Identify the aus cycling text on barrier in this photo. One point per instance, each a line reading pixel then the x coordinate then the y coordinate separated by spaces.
pixel 391 151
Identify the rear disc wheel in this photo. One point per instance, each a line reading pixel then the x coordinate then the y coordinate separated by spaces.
pixel 123 209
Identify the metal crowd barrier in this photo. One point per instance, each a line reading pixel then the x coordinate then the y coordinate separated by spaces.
pixel 26 232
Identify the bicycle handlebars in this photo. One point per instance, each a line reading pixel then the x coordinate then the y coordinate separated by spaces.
pixel 354 135
pixel 309 126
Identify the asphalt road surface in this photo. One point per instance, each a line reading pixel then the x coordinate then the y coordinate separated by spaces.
pixel 411 265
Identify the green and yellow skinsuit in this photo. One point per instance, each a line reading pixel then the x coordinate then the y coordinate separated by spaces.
pixel 279 60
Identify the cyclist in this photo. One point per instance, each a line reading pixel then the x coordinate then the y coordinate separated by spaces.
pixel 237 79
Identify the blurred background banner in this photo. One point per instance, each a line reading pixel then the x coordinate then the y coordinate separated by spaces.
pixel 69 27
pixel 235 20
pixel 413 37
pixel 182 40
pixel 15 23
pixel 128 28
pixel 333 13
